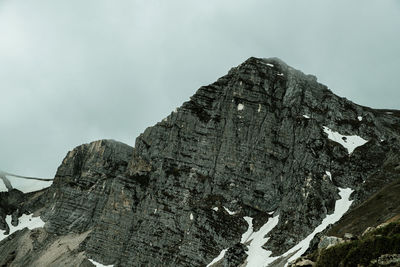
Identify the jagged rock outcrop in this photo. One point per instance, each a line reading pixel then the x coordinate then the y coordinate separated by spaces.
pixel 251 144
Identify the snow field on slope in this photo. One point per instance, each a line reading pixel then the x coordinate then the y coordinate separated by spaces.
pixel 257 255
pixel 350 142
pixel 341 207
pixel 254 241
pixel 24 221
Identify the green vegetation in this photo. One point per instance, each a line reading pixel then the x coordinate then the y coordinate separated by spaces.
pixel 385 240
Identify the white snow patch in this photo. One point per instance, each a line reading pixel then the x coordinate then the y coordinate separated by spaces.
pixel 271 212
pixel 341 207
pixel 306 116
pixel 176 110
pixel 270 65
pixel 280 74
pixel 257 255
pixel 240 107
pixel 99 264
pixel 229 211
pixel 24 221
pixel 350 142
pixel 259 108
pixel 329 175
pixel 359 118
pixel 215 209
pixel 155 211
pixel 191 216
pixel 219 257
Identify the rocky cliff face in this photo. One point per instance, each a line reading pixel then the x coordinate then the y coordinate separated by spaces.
pixel 265 142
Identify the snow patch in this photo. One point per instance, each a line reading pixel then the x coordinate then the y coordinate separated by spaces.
pixel 270 65
pixel 99 264
pixel 240 107
pixel 24 221
pixel 280 74
pixel 219 257
pixel 215 209
pixel 257 255
pixel 191 216
pixel 350 142
pixel 259 108
pixel 229 211
pixel 306 116
pixel 359 118
pixel 329 175
pixel 341 207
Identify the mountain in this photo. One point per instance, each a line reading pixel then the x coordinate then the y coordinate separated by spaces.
pixel 251 171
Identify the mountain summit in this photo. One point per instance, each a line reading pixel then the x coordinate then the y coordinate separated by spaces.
pixel 248 172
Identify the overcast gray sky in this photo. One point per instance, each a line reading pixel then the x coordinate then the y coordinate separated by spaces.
pixel 76 71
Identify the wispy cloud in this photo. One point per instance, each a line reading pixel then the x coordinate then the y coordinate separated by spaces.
pixel 75 71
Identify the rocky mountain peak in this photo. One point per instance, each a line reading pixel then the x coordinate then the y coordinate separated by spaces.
pixel 264 150
pixel 273 73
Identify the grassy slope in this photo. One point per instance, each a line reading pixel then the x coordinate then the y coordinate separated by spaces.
pixel 385 240
pixel 382 206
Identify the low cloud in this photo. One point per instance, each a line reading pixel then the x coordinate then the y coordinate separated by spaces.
pixel 73 72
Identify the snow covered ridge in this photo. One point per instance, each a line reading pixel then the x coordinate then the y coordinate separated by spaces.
pixel 350 142
pixel 24 221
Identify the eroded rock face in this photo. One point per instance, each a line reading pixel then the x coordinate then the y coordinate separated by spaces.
pixel 10 203
pixel 328 241
pixel 83 184
pixel 250 144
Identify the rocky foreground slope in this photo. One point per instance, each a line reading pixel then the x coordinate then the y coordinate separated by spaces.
pixel 245 173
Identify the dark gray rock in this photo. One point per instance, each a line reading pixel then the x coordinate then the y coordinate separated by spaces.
pixel 10 203
pixel 235 256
